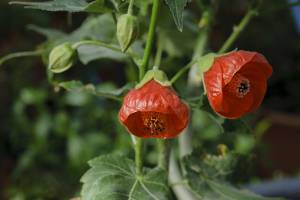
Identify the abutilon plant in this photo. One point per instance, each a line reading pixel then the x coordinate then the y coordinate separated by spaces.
pixel 154 108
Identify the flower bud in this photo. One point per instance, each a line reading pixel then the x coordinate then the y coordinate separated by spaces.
pixel 127 30
pixel 61 58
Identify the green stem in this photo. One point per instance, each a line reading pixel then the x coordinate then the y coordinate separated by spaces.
pixel 163 153
pixel 97 43
pixel 109 96
pixel 20 54
pixel 182 71
pixel 130 7
pixel 175 176
pixel 114 16
pixel 150 38
pixel 138 156
pixel 145 61
pixel 158 55
pixel 237 30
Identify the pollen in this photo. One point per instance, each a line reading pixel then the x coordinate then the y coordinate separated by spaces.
pixel 239 85
pixel 154 122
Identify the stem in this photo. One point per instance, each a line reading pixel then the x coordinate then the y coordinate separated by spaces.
pixel 158 55
pixel 164 153
pixel 20 54
pixel 97 43
pixel 180 191
pixel 150 38
pixel 109 96
pixel 199 50
pixel 182 71
pixel 114 16
pixel 130 7
pixel 138 156
pixel 185 139
pixel 185 143
pixel 202 42
pixel 145 61
pixel 237 30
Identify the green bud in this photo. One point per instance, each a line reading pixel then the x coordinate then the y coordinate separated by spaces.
pixel 61 58
pixel 222 149
pixel 127 30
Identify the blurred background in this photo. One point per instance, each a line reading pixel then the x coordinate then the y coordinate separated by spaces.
pixel 47 136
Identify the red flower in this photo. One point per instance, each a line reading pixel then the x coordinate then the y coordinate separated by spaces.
pixel 236 83
pixel 154 111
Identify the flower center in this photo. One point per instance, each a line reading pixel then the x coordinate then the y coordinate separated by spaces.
pixel 154 122
pixel 239 85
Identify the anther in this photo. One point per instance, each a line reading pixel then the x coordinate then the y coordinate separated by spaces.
pixel 243 87
pixel 153 122
pixel 239 86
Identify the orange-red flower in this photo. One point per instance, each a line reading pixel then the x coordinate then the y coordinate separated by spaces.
pixel 236 83
pixel 154 111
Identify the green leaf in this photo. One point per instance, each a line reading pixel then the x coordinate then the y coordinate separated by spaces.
pixel 96 6
pixel 205 62
pixel 90 29
pixel 218 166
pixel 228 192
pixel 209 176
pixel 51 34
pixel 93 28
pixel 176 8
pixel 91 89
pixel 176 43
pixel 88 53
pixel 113 177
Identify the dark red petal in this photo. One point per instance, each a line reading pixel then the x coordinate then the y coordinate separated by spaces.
pixel 260 61
pixel 259 91
pixel 258 75
pixel 173 126
pixel 233 62
pixel 235 107
pixel 213 82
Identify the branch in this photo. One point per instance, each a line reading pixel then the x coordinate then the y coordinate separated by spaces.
pixel 237 30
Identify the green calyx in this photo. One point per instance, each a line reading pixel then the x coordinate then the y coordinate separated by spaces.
pixel 61 58
pixel 127 30
pixel 206 61
pixel 204 64
pixel 154 74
